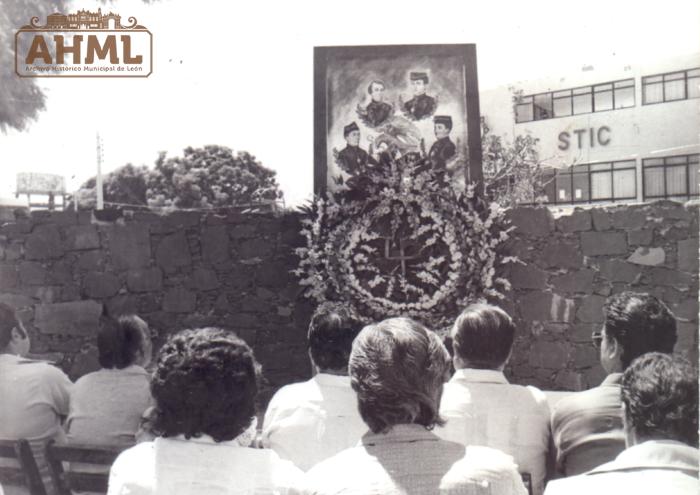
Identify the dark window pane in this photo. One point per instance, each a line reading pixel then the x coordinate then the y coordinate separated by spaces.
pixel 653 93
pixel 653 182
pixel 543 106
pixel 563 182
pixel 562 106
pixel 675 180
pixel 523 112
pixel 694 87
pixel 652 79
pixel 624 183
pixel 582 104
pixel 624 97
pixel 602 87
pixel 694 178
pixel 599 166
pixel 625 164
pixel 648 162
pixel 601 185
pixel 676 160
pixel 674 90
pixel 581 192
pixel 674 76
pixel 582 91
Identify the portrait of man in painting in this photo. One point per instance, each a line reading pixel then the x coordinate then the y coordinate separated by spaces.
pixel 375 104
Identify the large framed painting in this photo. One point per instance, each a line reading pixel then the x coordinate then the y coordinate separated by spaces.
pixel 395 100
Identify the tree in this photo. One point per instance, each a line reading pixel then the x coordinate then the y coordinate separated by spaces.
pixel 512 171
pixel 209 177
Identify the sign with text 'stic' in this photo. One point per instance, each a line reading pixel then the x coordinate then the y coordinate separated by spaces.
pixel 83 44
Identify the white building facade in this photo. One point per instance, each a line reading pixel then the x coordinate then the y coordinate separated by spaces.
pixel 627 133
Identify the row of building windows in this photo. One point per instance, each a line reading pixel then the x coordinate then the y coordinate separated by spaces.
pixel 673 86
pixel 673 177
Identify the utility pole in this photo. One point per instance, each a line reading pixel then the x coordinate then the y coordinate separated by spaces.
pixel 98 185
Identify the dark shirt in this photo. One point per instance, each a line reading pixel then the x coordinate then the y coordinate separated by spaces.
pixel 353 159
pixel 377 112
pixel 442 150
pixel 420 106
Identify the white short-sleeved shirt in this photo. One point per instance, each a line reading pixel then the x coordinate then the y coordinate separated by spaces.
pixel 482 408
pixel 201 466
pixel 311 421
pixel 411 459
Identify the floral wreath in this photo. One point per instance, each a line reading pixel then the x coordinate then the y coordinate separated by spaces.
pixel 401 241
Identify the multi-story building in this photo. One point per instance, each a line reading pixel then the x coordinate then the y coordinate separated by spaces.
pixel 609 134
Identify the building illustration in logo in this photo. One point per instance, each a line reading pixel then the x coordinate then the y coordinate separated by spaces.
pixel 83 20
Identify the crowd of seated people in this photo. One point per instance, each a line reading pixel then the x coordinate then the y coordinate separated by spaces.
pixel 381 415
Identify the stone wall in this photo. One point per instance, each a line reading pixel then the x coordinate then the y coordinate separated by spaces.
pixel 571 263
pixel 62 270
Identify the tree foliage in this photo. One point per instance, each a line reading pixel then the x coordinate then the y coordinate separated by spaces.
pixel 512 171
pixel 209 177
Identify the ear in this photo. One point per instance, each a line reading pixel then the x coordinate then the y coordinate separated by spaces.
pixel 614 348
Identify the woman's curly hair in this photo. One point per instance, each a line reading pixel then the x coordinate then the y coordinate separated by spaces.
pixel 397 368
pixel 205 382
pixel 660 394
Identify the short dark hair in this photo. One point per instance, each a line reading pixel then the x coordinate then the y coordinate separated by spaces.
pixel 205 382
pixel 660 394
pixel 119 342
pixel 483 336
pixel 8 321
pixel 640 323
pixel 397 368
pixel 332 329
pixel 376 81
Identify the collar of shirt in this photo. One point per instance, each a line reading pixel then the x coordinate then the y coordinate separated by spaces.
pixel 329 380
pixel 613 379
pixel 405 433
pixel 480 376
pixel 203 439
pixel 133 368
pixel 655 454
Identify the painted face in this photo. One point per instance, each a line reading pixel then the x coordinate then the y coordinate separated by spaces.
pixel 441 131
pixel 353 138
pixel 377 92
pixel 418 87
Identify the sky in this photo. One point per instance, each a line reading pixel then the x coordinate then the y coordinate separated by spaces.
pixel 240 74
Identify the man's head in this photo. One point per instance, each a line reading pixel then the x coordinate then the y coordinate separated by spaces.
pixel 332 329
pixel 397 368
pixel 482 337
pixel 660 399
pixel 376 90
pixel 635 323
pixel 352 134
pixel 442 126
pixel 14 339
pixel 205 383
pixel 419 81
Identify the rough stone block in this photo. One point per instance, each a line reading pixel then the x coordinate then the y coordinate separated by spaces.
pixel 173 251
pixel 82 237
pixel 274 274
pixel 594 376
pixel 528 277
pixel 602 243
pixel 688 255
pixel 581 332
pixel 591 309
pixel 8 276
pixel 254 248
pixel 647 256
pixel 215 244
pixel 618 271
pixel 91 260
pixel 179 300
pixel 47 294
pixel 579 220
pixel 86 361
pixel 122 305
pixel 531 221
pixel 69 318
pixel 673 278
pixel 44 243
pixel 601 219
pixel 686 310
pixel 561 254
pixel 13 251
pixel 253 304
pixel 16 301
pixel 204 279
pixel 144 280
pixel 550 355
pixel 129 245
pixel 586 356
pixel 32 273
pixel 60 274
pixel 579 281
pixel 244 231
pixel 629 218
pixel 545 306
pixel 100 285
pixel 640 237
pixel 674 233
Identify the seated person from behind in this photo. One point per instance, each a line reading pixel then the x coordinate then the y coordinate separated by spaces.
pixel 587 426
pixel 106 406
pixel 660 417
pixel 480 406
pixel 397 368
pixel 33 394
pixel 311 421
pixel 205 386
